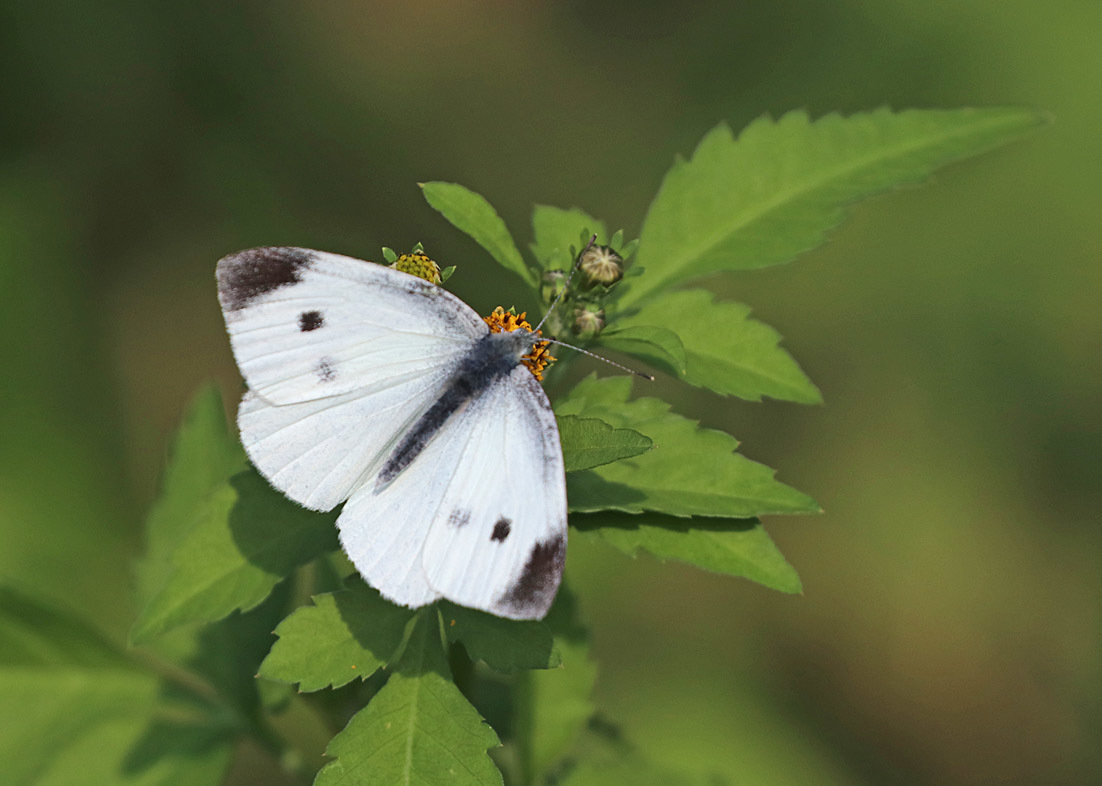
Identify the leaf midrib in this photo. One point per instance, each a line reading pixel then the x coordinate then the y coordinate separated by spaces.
pixel 746 218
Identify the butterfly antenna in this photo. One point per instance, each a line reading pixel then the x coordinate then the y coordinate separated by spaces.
pixel 598 357
pixel 566 285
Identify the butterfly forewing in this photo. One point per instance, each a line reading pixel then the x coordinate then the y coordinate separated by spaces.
pixel 306 324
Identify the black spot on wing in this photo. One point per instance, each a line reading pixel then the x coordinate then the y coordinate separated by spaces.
pixel 459 518
pixel 247 275
pixel 326 370
pixel 531 595
pixel 501 530
pixel 310 320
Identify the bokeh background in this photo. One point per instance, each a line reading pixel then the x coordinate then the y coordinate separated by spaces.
pixel 950 628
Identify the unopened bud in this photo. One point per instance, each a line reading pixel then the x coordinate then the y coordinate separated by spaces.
pixel 417 264
pixel 588 322
pixel 602 265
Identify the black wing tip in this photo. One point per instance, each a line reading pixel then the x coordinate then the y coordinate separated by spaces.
pixel 532 594
pixel 250 274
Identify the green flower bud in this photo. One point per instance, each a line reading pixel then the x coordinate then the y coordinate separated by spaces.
pixel 602 265
pixel 588 322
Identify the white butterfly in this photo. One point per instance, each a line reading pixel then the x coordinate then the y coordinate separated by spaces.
pixel 378 389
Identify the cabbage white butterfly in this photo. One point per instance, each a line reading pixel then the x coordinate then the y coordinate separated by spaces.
pixel 381 390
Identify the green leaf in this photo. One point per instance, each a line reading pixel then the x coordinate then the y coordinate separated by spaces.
pixel 725 350
pixel 389 255
pixel 344 635
pixel 657 346
pixel 734 547
pixel 691 472
pixel 556 230
pixel 552 707
pixel 227 652
pixel 247 539
pixel 204 455
pixel 503 645
pixel 472 214
pixel 590 442
pixel 419 729
pixel 446 273
pixel 774 192
pixel 67 697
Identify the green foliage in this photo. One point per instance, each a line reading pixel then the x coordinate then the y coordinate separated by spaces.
pixel 344 635
pixel 773 192
pixel 692 472
pixel 418 729
pixel 247 539
pixel 659 347
pixel 590 442
pixel 558 235
pixel 736 547
pixel 204 456
pixel 472 214
pixel 75 709
pixel 552 707
pixel 228 558
pixel 503 645
pixel 721 348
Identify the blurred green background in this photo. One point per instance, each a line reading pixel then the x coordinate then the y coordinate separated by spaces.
pixel 950 629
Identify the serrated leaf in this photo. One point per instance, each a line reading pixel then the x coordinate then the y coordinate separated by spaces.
pixel 692 471
pixel 204 455
pixel 555 230
pixel 775 191
pixel 344 635
pixel 228 651
pixel 724 350
pixel 660 347
pixel 247 539
pixel 552 707
pixel 503 645
pixel 734 547
pixel 64 691
pixel 419 729
pixel 472 214
pixel 590 442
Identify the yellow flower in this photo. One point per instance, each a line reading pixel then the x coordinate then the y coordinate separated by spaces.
pixel 502 321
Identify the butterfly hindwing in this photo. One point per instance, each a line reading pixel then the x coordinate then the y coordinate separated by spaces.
pixel 479 517
pixel 499 540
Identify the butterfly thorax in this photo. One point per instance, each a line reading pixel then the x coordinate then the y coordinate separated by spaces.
pixel 493 357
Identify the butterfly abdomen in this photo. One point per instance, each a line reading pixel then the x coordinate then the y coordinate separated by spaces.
pixel 494 356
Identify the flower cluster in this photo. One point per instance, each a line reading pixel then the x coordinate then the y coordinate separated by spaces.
pixel 502 321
